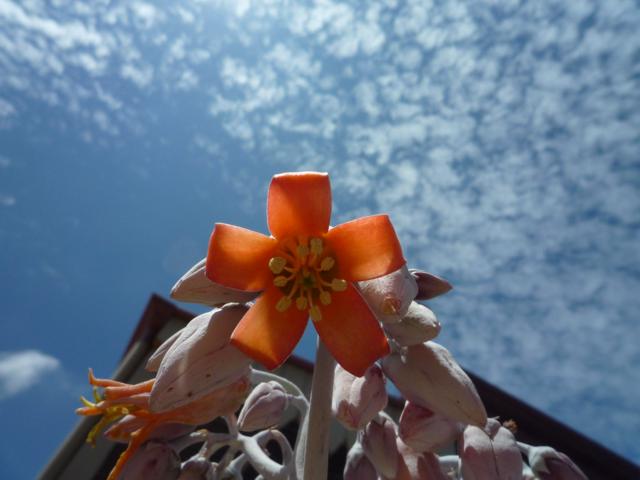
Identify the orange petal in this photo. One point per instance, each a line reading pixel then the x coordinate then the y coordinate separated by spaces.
pixel 366 248
pixel 239 258
pixel 351 331
pixel 122 391
pixel 135 442
pixel 267 335
pixel 299 204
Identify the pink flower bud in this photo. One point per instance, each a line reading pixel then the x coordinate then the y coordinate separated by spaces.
pixel 197 468
pixel 427 375
pixel 195 287
pixel 389 296
pixel 417 326
pixel 200 360
pixel 413 465
pixel 429 285
pixel 425 431
pixel 490 453
pixel 549 464
pixel 153 460
pixel 379 444
pixel 357 400
pixel 264 407
pixel 358 466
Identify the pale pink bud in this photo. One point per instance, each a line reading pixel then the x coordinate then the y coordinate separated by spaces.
pixel 264 407
pixel 389 296
pixel 490 453
pixel 200 360
pixel 429 285
pixel 427 375
pixel 358 466
pixel 153 460
pixel 195 287
pixel 413 465
pixel 357 400
pixel 425 431
pixel 417 326
pixel 378 441
pixel 197 468
pixel 549 464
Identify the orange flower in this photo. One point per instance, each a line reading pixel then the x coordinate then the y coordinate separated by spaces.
pixel 121 399
pixel 306 269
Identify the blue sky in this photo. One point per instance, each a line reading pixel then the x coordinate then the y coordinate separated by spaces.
pixel 501 136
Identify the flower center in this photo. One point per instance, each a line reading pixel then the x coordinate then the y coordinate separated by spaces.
pixel 305 273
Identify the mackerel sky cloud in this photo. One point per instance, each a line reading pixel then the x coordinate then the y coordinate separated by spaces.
pixel 502 137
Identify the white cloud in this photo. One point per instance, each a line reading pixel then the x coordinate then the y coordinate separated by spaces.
pixel 6 109
pixel 146 14
pixel 21 370
pixel 66 36
pixel 141 75
pixel 7 200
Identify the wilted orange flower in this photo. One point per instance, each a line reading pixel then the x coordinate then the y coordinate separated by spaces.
pixel 306 269
pixel 120 400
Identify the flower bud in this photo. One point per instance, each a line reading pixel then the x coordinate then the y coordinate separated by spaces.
pixel 389 296
pixel 429 285
pixel 195 287
pixel 425 431
pixel 153 460
pixel 358 466
pixel 200 360
pixel 427 375
pixel 549 464
pixel 264 407
pixel 357 400
pixel 417 326
pixel 413 465
pixel 197 468
pixel 379 444
pixel 490 453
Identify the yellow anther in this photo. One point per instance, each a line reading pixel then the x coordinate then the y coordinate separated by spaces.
pixel 277 264
pixel 314 311
pixel 327 264
pixel 302 250
pixel 338 285
pixel 283 304
pixel 316 246
pixel 325 297
pixel 280 281
pixel 301 303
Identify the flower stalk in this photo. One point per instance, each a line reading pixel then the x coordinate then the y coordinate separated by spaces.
pixel 314 440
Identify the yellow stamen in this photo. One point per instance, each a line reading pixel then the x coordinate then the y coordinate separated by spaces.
pixel 281 281
pixel 302 250
pixel 283 304
pixel 277 264
pixel 315 313
pixel 325 297
pixel 301 303
pixel 338 285
pixel 316 246
pixel 327 264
